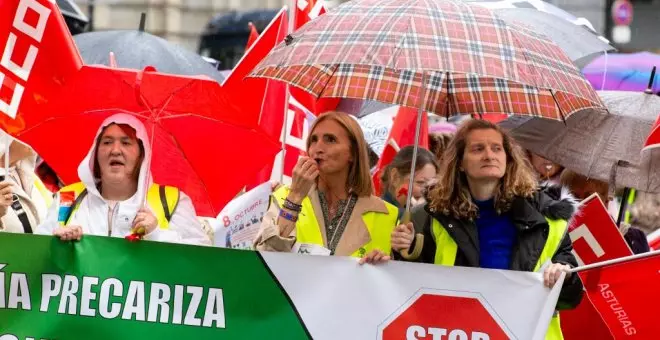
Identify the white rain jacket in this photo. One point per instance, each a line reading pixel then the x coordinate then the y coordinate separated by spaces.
pixel 94 215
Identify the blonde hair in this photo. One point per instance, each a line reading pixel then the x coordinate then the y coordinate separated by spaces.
pixel 451 195
pixel 438 142
pixel 572 179
pixel 359 177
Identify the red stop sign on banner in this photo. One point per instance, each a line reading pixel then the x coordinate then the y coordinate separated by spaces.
pixel 436 316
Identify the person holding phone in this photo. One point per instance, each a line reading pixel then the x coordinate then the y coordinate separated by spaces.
pixel 330 209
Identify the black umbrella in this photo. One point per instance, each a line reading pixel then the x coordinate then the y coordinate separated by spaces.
pixel 138 49
pixel 75 19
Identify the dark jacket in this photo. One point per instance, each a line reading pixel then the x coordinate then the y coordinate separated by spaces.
pixel 637 241
pixel 529 217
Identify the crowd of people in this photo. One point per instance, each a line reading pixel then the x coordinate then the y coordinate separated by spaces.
pixel 478 200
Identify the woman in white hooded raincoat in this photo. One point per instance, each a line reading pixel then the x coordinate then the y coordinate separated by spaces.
pixel 115 176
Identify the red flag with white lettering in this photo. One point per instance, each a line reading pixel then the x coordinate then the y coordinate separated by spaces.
pixel 38 57
pixel 306 11
pixel 296 130
pixel 595 238
pixel 402 134
pixel 260 99
pixel 624 294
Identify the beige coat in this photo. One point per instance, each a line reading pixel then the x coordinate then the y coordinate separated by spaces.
pixel 34 201
pixel 355 235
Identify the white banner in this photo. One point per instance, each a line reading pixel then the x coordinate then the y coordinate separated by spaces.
pixel 238 223
pixel 338 299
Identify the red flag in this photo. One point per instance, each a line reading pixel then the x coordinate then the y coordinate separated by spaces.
pixel 653 140
pixel 263 100
pixel 306 11
pixel 260 99
pixel 37 58
pixel 624 294
pixel 402 134
pixel 252 38
pixel 595 238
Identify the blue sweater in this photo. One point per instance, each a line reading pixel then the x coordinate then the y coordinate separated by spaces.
pixel 497 235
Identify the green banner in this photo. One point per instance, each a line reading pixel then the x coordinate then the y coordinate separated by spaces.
pixel 108 288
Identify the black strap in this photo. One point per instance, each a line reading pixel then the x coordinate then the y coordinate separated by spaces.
pixel 22 215
pixel 75 204
pixel 163 201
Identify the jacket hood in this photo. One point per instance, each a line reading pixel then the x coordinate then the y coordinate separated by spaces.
pixel 556 202
pixel 86 167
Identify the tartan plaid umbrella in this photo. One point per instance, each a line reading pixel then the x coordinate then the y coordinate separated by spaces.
pixel 468 59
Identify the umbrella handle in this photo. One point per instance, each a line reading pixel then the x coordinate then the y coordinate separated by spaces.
pixel 649 88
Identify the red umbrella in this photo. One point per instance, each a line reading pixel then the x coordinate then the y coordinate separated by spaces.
pixel 201 144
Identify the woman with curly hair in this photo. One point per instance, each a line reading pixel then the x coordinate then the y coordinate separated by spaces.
pixel 487 211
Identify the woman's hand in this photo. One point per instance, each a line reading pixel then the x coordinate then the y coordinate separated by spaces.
pixel 375 257
pixel 553 272
pixel 68 233
pixel 304 176
pixel 403 236
pixel 145 222
pixel 6 197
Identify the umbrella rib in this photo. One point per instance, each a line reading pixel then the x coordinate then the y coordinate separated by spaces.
pixel 178 146
pixel 190 114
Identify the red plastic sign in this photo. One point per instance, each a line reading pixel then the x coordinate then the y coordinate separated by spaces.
pixel 436 316
pixel 595 236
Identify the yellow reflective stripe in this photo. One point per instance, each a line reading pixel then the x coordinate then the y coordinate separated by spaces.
pixel 77 188
pixel 380 227
pixel 446 249
pixel 307 227
pixel 631 200
pixel 153 199
pixel 308 230
pixel 556 231
pixel 45 193
pixel 445 246
pixel 554 329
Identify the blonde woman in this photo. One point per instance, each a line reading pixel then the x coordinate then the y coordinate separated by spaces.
pixel 329 208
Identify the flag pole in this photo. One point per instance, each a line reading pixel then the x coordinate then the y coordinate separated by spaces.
pixel 614 261
pixel 9 141
pixel 287 94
